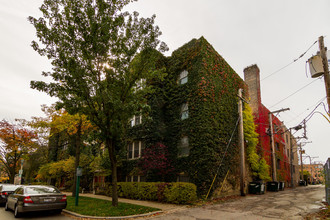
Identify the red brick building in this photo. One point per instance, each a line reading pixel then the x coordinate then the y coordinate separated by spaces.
pixel 261 118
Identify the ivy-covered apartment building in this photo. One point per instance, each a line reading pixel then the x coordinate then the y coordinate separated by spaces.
pixel 192 118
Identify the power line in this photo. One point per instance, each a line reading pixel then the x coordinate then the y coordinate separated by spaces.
pixel 318 102
pixel 290 63
pixel 294 93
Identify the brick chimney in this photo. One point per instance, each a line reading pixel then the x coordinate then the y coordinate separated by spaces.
pixel 252 79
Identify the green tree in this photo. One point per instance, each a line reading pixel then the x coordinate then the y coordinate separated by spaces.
pixel 92 45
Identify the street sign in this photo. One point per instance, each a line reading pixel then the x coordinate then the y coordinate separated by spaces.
pixel 79 171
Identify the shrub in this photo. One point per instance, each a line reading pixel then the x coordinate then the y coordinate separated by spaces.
pixel 180 193
pixel 177 193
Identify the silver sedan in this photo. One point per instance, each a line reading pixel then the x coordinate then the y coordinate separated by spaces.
pixel 35 198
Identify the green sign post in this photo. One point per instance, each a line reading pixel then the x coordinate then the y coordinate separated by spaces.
pixel 79 174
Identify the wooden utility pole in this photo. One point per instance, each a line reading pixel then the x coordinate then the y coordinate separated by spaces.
pixel 241 142
pixel 272 142
pixel 326 69
pixel 301 164
pixel 291 160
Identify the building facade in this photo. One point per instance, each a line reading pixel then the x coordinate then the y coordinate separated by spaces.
pixel 316 172
pixel 193 116
pixel 282 147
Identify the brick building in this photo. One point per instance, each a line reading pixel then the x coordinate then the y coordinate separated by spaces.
pixel 316 173
pixel 193 113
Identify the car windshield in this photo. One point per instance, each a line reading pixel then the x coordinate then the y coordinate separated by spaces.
pixel 40 190
pixel 8 187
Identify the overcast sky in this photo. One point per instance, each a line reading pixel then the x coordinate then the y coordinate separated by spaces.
pixel 270 34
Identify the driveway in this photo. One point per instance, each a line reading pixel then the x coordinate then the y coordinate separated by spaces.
pixel 289 204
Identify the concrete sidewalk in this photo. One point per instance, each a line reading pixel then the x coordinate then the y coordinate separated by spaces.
pixel 162 206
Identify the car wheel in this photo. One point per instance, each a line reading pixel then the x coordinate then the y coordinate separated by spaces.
pixel 6 207
pixel 16 212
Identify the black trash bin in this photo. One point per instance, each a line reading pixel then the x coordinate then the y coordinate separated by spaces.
pixel 302 183
pixel 281 186
pixel 273 186
pixel 256 187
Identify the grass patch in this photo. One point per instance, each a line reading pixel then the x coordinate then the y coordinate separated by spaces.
pixel 100 207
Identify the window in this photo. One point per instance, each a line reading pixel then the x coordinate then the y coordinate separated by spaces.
pixel 278 164
pixel 130 151
pixel 135 149
pixel 19 191
pixel 183 177
pixel 183 147
pixel 183 78
pixel 184 111
pixel 277 146
pixel 135 179
pixel 136 120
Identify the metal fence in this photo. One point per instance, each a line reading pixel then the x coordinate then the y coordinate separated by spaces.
pixel 327 180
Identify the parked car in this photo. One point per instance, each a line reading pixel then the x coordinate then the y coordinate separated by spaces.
pixel 35 198
pixel 6 190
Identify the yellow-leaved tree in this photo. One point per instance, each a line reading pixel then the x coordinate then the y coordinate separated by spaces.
pixel 259 166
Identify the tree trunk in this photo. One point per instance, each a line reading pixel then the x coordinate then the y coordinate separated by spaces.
pixel 53 145
pixel 77 159
pixel 12 176
pixel 111 149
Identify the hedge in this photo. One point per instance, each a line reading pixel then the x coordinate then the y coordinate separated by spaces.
pixel 177 193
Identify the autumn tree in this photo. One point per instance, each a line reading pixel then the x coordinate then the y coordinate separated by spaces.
pixel 93 47
pixel 61 127
pixel 16 141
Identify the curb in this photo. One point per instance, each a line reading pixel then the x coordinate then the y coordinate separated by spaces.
pixel 87 217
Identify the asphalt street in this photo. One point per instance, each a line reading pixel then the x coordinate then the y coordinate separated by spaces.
pixel 9 215
pixel 291 204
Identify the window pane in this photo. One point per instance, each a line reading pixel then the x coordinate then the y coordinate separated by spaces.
pixel 184 111
pixel 142 179
pixel 183 178
pixel 138 120
pixel 184 115
pixel 130 151
pixel 143 146
pixel 184 80
pixel 185 141
pixel 184 146
pixel 136 149
pixel 135 178
pixel 183 77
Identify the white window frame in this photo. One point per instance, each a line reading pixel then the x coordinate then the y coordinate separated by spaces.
pixel 184 111
pixel 133 120
pixel 135 144
pixel 183 144
pixel 183 77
